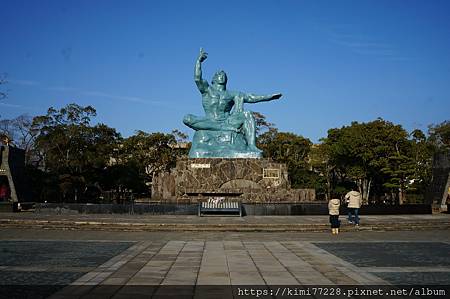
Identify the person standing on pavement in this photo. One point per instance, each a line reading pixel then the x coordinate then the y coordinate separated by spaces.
pixel 353 199
pixel 333 210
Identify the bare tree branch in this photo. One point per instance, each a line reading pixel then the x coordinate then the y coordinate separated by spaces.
pixel 3 94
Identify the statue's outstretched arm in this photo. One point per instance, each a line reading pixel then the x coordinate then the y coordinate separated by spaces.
pixel 201 84
pixel 252 98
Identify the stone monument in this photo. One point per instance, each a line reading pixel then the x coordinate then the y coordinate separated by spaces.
pixel 438 191
pixel 13 186
pixel 224 160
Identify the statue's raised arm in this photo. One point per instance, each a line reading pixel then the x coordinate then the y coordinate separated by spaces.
pixel 201 84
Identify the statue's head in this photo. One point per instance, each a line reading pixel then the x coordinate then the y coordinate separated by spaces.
pixel 220 77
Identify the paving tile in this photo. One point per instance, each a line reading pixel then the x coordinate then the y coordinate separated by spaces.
pixel 143 281
pixel 279 278
pixel 115 281
pixel 104 291
pixel 246 278
pixel 214 280
pixel 157 263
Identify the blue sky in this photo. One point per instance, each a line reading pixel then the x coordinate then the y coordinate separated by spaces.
pixel 334 61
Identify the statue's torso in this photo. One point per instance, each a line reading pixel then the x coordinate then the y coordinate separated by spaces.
pixel 217 103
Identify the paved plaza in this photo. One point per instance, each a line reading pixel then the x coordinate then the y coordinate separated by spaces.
pixel 111 264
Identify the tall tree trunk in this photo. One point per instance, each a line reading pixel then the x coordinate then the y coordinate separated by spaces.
pixel 364 188
pixel 328 188
pixel 401 195
pixel 394 198
pixel 360 186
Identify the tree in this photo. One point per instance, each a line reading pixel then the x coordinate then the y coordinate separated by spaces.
pixel 262 125
pixel 440 134
pixel 320 163
pixel 180 137
pixel 362 150
pixel 73 150
pixel 290 149
pixel 142 156
pixel 62 137
pixel 400 168
pixel 151 153
pixel 124 176
pixel 20 131
pixel 422 150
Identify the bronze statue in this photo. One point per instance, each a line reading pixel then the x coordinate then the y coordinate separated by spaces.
pixel 226 130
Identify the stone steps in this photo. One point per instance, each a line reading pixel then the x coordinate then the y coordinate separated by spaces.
pixel 233 227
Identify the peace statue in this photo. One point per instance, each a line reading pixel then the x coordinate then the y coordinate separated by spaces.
pixel 226 130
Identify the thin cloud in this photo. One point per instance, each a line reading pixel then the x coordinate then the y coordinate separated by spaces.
pixel 90 93
pixel 363 44
pixel 24 82
pixel 61 88
pixel 14 106
pixel 397 58
pixel 93 93
pixel 117 97
pixel 375 51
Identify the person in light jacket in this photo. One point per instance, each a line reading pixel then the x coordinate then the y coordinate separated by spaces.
pixel 353 199
pixel 333 210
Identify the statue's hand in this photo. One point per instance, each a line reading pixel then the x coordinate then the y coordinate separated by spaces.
pixel 202 56
pixel 276 96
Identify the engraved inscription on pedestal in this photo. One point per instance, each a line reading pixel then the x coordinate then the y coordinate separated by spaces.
pixel 197 165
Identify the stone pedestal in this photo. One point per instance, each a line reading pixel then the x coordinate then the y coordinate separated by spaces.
pixel 248 180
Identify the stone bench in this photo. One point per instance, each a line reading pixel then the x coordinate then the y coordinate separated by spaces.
pixel 222 208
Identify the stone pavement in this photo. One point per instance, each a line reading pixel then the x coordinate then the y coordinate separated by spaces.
pixel 115 264
pixel 122 256
pixel 257 263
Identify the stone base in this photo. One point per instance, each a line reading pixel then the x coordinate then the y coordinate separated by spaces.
pixel 219 144
pixel 247 180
